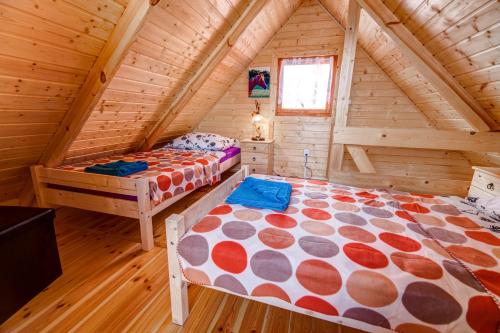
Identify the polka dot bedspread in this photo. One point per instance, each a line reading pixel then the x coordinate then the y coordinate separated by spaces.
pixel 401 261
pixel 170 171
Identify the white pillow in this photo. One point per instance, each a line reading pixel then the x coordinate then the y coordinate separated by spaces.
pixel 202 141
pixel 488 211
pixel 489 206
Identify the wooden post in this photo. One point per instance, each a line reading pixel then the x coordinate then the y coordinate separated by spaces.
pixel 174 226
pixel 145 214
pixel 336 154
pixel 38 186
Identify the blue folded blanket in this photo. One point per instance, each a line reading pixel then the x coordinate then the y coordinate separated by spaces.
pixel 259 193
pixel 119 168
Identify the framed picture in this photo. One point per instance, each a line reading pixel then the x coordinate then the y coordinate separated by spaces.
pixel 259 82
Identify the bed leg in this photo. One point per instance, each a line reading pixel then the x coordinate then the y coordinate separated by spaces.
pixel 147 238
pixel 246 170
pixel 145 217
pixel 175 228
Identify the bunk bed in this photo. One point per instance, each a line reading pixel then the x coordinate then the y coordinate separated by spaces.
pixel 375 260
pixel 171 175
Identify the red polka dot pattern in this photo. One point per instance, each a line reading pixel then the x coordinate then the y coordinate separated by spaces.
pixel 359 253
pixel 399 242
pixel 170 172
pixel 281 221
pixel 230 256
pixel 316 214
pixel 317 304
pixel 365 255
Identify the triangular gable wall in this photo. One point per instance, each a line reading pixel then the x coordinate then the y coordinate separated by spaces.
pixel 375 102
pixel 170 48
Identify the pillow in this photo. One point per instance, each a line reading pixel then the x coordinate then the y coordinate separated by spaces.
pixel 202 141
pixel 490 208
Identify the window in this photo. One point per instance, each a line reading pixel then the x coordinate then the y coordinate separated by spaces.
pixel 305 86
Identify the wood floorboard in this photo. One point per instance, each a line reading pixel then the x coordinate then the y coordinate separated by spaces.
pixel 110 285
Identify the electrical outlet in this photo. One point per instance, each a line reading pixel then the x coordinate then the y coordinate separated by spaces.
pixel 306 152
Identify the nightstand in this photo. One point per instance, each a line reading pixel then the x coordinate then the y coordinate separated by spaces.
pixel 485 183
pixel 258 155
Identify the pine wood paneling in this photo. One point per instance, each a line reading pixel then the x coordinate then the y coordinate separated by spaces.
pixel 375 100
pixel 47 50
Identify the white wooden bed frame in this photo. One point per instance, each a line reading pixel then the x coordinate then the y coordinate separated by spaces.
pixel 177 225
pixel 140 209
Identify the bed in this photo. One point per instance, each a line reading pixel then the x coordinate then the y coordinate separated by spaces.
pixel 375 260
pixel 171 175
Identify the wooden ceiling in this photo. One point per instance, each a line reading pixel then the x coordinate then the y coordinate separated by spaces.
pixel 48 49
pixel 463 36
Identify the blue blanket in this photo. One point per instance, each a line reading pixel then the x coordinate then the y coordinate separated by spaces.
pixel 119 168
pixel 259 193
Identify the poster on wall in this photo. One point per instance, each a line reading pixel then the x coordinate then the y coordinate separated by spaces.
pixel 259 82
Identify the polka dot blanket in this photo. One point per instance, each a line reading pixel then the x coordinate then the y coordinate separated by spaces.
pixel 400 261
pixel 170 171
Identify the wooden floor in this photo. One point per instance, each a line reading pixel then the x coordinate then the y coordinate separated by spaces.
pixel 110 285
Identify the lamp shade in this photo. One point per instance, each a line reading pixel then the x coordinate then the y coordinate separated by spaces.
pixel 256 119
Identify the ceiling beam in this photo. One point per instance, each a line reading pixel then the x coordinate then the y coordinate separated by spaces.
pixel 361 159
pixel 336 154
pixel 202 74
pixel 97 80
pixel 429 67
pixel 92 89
pixel 421 138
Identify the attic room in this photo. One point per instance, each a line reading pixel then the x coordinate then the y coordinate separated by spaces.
pixel 250 166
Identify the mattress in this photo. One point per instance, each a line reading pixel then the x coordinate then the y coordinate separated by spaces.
pixel 400 261
pixel 230 153
pixel 171 171
pixel 232 157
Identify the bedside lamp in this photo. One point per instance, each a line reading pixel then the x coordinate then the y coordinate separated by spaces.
pixel 257 120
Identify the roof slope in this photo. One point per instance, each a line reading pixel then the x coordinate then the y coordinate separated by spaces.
pixel 462 35
pixel 47 50
pixel 172 45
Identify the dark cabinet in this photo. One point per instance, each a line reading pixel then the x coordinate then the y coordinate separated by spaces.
pixel 29 259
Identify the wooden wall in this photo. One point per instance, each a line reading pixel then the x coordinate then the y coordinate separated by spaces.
pixel 256 36
pixel 46 51
pixel 376 101
pixel 462 35
pixel 48 47
pixel 173 43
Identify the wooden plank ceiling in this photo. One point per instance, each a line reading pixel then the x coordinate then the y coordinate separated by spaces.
pixel 48 49
pixel 462 35
pixel 174 42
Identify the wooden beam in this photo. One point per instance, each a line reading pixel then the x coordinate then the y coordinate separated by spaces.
pixel 97 80
pixel 336 154
pixel 407 183
pixel 430 67
pixel 419 138
pixel 203 73
pixel 361 159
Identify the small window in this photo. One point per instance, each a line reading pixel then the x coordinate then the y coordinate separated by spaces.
pixel 305 86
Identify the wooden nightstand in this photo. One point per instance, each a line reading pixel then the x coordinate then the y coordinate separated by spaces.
pixel 485 183
pixel 258 155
